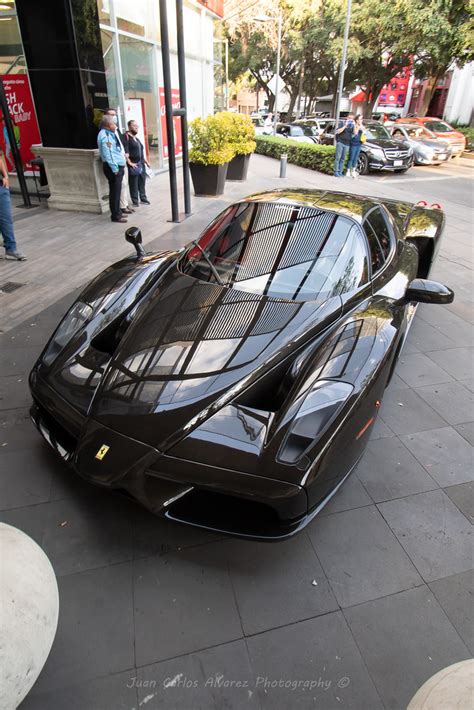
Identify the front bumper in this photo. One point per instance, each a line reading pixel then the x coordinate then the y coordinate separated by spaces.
pixel 390 165
pixel 222 500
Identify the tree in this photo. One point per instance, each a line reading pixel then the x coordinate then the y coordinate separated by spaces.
pixel 446 28
pixel 386 34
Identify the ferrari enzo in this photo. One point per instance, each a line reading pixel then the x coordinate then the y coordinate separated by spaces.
pixel 233 384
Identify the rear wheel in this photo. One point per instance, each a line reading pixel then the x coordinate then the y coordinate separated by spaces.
pixel 363 164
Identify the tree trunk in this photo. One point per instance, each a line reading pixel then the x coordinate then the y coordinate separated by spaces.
pixel 428 95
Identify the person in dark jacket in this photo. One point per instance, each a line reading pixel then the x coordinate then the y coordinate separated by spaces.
pixel 136 162
pixel 344 133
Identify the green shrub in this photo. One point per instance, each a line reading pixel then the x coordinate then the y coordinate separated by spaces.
pixel 239 130
pixel 306 155
pixel 468 131
pixel 209 143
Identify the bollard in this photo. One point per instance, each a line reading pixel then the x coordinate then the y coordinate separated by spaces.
pixel 283 164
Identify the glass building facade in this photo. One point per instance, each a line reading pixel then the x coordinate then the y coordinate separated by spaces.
pixel 119 64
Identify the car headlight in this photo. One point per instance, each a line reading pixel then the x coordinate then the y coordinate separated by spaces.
pixel 426 153
pixel 318 409
pixel 77 316
pixel 378 153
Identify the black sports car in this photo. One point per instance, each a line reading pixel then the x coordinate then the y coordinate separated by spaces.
pixel 233 384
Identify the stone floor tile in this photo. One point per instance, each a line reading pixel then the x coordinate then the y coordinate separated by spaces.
pixel 456 596
pixel 314 663
pixel 281 572
pixel 360 556
pixel 388 470
pixel 447 457
pixel 435 534
pixel 462 496
pixel 404 639
pixel 184 602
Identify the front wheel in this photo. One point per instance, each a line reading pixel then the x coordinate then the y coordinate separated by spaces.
pixel 363 164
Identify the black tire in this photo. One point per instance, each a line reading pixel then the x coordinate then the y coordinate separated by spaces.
pixel 363 164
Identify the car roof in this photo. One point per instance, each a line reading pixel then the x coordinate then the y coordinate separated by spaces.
pixel 354 206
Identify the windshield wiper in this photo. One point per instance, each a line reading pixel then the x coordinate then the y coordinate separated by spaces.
pixel 213 268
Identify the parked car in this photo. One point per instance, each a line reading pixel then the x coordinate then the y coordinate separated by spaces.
pixel 427 148
pixel 259 125
pixel 318 124
pixel 233 384
pixel 379 152
pixel 441 129
pixel 296 132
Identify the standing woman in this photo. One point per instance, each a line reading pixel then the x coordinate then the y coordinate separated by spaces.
pixel 357 138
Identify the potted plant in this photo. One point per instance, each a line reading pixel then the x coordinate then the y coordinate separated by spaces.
pixel 209 155
pixel 241 136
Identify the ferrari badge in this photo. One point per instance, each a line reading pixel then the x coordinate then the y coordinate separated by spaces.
pixel 102 451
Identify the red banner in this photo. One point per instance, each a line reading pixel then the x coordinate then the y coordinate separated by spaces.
pixel 22 112
pixel 178 141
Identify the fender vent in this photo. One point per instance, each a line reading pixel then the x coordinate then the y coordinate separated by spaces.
pixel 10 286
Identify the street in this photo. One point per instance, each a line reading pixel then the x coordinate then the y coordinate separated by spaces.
pixel 358 610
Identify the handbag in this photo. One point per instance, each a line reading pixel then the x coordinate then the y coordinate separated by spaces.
pixel 363 138
pixel 149 172
pixel 136 169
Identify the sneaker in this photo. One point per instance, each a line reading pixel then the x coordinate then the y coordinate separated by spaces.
pixel 136 204
pixel 16 255
pixel 145 201
pixel 122 220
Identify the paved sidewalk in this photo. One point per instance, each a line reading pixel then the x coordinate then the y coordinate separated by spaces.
pixel 373 598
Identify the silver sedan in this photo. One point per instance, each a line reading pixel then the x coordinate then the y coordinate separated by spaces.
pixel 428 149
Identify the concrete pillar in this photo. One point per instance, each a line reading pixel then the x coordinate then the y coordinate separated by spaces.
pixel 75 179
pixel 29 604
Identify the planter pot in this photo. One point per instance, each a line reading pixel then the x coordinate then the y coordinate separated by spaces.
pixel 238 167
pixel 208 179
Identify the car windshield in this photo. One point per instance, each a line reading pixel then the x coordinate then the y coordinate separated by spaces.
pixel 439 126
pixel 296 131
pixel 259 122
pixel 376 132
pixel 281 251
pixel 308 130
pixel 419 132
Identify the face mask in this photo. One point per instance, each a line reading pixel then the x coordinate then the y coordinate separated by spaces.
pixel 115 119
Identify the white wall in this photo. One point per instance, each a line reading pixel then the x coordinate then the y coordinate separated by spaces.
pixel 460 101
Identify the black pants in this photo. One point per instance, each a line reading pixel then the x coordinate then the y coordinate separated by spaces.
pixel 136 184
pixel 115 185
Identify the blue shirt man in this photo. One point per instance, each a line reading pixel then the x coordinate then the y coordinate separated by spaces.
pixel 113 159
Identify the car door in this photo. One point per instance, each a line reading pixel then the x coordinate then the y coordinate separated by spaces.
pixel 394 263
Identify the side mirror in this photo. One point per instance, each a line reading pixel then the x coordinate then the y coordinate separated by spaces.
pixel 425 291
pixel 134 236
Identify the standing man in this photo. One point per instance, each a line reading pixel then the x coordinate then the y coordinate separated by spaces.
pixel 113 158
pixel 124 206
pixel 343 135
pixel 6 220
pixel 136 162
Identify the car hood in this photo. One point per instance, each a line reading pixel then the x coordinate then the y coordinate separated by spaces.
pixel 191 346
pixel 386 144
pixel 435 144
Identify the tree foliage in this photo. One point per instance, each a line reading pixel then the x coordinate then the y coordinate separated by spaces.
pixel 385 36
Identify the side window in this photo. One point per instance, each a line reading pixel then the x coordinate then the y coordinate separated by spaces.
pixel 378 235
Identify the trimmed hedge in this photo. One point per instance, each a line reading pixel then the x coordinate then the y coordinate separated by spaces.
pixel 469 133
pixel 306 155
